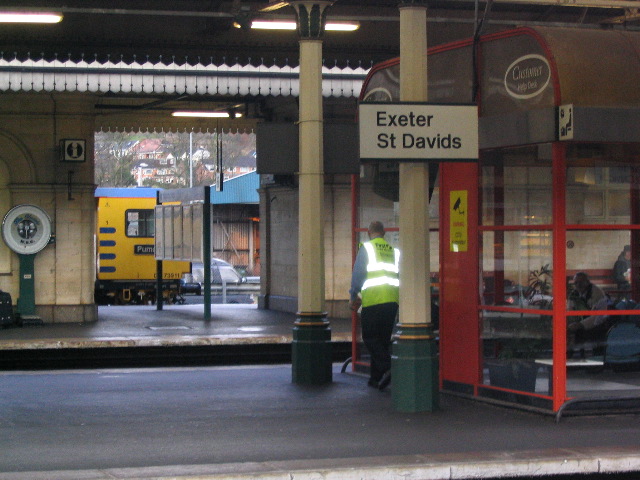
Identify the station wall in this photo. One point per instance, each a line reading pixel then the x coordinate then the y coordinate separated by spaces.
pixel 279 244
pixel 32 172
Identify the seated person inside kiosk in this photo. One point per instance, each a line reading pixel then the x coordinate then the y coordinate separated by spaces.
pixel 586 296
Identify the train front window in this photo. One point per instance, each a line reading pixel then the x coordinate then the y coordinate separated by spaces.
pixel 139 223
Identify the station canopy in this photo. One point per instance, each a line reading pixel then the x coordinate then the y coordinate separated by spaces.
pixel 153 56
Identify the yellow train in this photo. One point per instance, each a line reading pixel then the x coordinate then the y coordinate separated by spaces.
pixel 126 268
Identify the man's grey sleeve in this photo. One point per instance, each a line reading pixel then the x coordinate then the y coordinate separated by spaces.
pixel 596 320
pixel 359 274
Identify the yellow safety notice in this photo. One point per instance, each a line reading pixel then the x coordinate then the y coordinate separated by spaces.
pixel 458 225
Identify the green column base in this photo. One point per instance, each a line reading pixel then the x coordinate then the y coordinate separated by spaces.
pixel 414 369
pixel 26 303
pixel 311 350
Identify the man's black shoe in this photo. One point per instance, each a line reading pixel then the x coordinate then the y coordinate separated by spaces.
pixel 385 380
pixel 372 383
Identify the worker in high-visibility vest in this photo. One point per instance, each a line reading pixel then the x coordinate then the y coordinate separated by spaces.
pixel 375 286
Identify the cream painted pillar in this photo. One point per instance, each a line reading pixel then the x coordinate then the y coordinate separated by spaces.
pixel 311 346
pixel 415 305
pixel 414 359
pixel 311 181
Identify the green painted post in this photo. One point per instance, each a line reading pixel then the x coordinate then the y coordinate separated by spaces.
pixel 414 361
pixel 311 345
pixel 206 251
pixel 414 369
pixel 311 350
pixel 26 304
pixel 159 274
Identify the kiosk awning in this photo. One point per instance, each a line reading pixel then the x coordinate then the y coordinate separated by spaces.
pixel 520 77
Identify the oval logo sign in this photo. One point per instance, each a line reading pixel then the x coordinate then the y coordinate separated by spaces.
pixel 527 77
pixel 379 94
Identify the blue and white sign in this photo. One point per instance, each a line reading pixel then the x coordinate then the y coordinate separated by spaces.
pixel 418 132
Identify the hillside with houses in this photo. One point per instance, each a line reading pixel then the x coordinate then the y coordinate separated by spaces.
pixel 173 159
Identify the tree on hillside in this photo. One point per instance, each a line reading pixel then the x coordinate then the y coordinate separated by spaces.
pixel 113 158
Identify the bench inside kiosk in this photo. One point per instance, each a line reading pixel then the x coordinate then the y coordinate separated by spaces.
pixel 556 192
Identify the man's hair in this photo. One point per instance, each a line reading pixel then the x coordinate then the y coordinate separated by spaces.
pixel 376 227
pixel 582 274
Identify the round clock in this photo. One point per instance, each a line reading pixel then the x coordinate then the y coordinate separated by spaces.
pixel 26 229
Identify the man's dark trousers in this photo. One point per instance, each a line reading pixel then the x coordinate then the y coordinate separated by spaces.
pixel 377 327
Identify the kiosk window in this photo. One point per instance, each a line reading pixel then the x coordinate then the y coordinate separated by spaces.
pixel 139 223
pixel 516 186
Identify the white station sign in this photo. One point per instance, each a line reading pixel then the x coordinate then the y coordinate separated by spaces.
pixel 418 132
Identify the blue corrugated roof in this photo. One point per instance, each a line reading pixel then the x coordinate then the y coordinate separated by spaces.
pixel 241 189
pixel 122 192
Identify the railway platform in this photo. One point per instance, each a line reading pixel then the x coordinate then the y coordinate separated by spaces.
pixel 251 422
pixel 177 335
pixel 174 325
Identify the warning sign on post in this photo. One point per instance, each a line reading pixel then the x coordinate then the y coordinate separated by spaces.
pixel 458 225
pixel 418 132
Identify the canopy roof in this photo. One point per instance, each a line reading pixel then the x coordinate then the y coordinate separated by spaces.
pixel 519 77
pixel 202 31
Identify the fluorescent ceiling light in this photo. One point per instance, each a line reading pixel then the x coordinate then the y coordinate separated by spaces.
pixel 342 26
pixel 204 114
pixel 291 25
pixel 30 17
pixel 267 25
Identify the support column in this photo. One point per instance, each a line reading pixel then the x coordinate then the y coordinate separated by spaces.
pixel 559 287
pixel 26 303
pixel 414 362
pixel 311 346
pixel 206 251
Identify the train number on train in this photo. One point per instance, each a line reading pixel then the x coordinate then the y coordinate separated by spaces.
pixel 169 276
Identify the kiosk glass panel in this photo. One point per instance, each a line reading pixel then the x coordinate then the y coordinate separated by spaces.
pixel 517 268
pixel 516 187
pixel 596 195
pixel 603 209
pixel 600 183
pixel 516 256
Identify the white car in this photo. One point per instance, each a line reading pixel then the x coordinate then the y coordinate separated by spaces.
pixel 221 271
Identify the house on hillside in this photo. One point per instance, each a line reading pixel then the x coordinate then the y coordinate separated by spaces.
pixel 243 164
pixel 156 172
pixel 154 162
pixel 150 149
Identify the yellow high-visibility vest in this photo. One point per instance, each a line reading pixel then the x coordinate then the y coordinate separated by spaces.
pixel 382 283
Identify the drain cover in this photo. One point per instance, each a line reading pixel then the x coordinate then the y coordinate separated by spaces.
pixel 176 327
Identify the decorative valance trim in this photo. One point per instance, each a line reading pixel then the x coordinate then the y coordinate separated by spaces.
pixel 94 77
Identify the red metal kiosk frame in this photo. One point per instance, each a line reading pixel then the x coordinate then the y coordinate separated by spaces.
pixel 522 79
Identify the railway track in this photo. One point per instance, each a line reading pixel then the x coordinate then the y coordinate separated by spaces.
pixel 164 356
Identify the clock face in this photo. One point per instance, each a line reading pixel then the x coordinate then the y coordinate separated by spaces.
pixel 26 229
